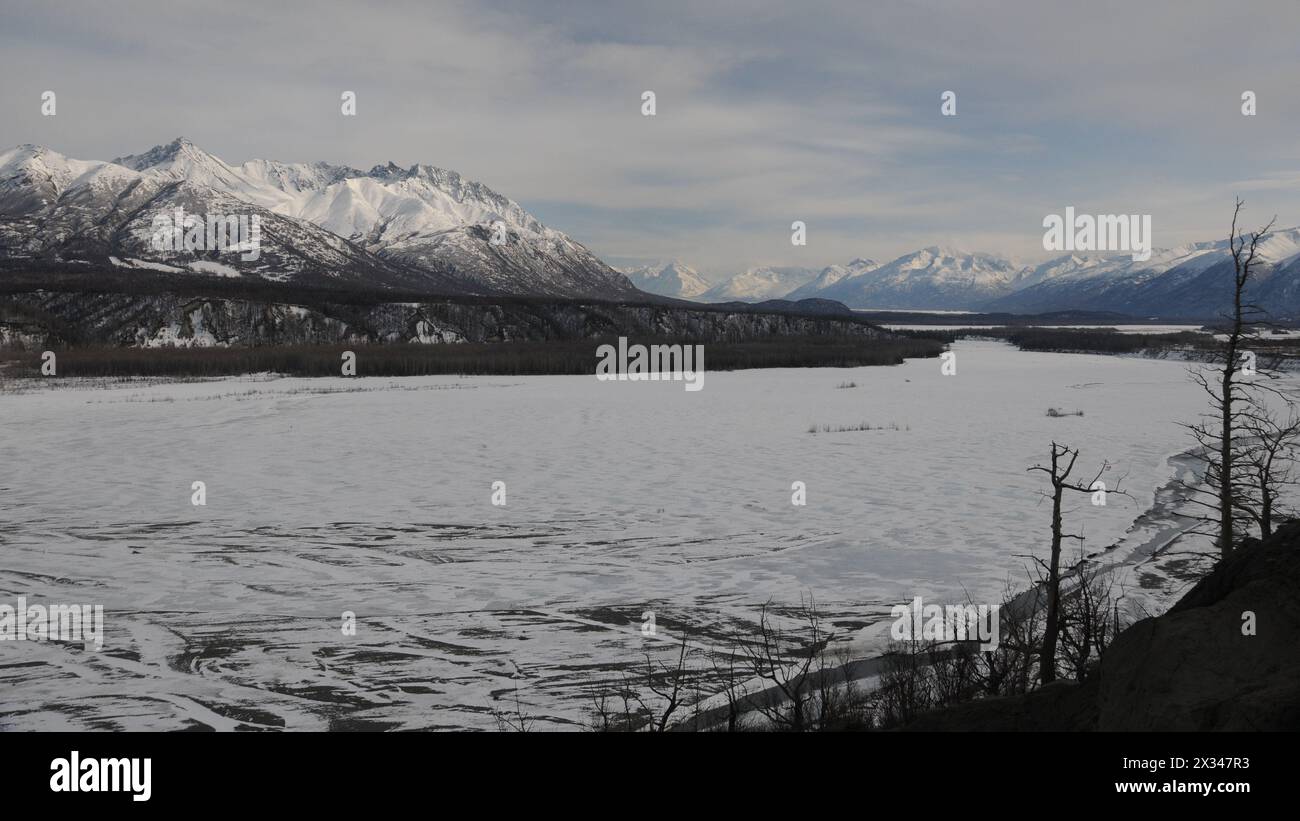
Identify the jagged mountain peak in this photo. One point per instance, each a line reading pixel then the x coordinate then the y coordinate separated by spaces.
pixel 668 278
pixel 1189 280
pixel 179 150
pixel 833 274
pixel 940 251
pixel 423 219
pixel 937 276
pixel 24 151
pixel 760 282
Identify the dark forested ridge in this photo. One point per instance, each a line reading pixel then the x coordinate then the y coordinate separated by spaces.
pixel 116 323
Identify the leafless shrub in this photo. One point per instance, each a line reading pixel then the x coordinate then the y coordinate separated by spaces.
pixel 649 698
pixel 514 719
pixel 1090 620
pixel 785 660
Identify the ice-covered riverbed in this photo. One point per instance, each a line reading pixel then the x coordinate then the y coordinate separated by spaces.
pixel 375 496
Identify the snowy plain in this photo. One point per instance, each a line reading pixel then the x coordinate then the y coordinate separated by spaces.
pixel 374 496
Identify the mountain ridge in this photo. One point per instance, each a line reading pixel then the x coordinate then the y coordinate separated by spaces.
pixel 1188 281
pixel 389 226
pixel 428 228
pixel 672 279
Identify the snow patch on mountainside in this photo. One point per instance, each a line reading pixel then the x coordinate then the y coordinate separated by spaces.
pixel 833 274
pixel 672 279
pixel 757 284
pixel 421 226
pixel 934 277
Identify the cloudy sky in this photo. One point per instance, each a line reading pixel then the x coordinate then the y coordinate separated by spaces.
pixel 768 112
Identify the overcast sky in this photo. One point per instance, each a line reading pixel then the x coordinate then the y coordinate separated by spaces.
pixel 768 112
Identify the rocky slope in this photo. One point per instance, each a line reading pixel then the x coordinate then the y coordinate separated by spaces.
pixel 1190 669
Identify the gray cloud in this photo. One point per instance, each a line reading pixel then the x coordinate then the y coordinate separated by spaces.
pixel 768 112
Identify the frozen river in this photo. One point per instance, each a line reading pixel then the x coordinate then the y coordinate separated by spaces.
pixel 375 497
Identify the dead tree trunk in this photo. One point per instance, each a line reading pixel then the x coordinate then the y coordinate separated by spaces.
pixel 1062 465
pixel 1243 259
pixel 1047 664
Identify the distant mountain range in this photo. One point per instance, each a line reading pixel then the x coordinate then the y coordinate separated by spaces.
pixel 1189 281
pixel 758 284
pixel 1192 281
pixel 938 278
pixel 418 228
pixel 428 230
pixel 668 279
pixel 832 275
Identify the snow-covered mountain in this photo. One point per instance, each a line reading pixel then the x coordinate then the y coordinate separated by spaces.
pixel 54 207
pixel 833 274
pixel 932 278
pixel 1192 280
pixel 757 284
pixel 668 279
pixel 420 227
pixel 430 230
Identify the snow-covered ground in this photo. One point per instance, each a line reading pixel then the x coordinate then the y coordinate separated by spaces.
pixel 375 496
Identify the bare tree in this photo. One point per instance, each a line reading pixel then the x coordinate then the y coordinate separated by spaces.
pixel 845 705
pixel 1062 466
pixel 1268 463
pixel 907 682
pixel 607 714
pixel 1090 618
pixel 1229 397
pixel 770 659
pixel 668 684
pixel 647 698
pixel 1009 669
pixel 726 671
pixel 516 719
